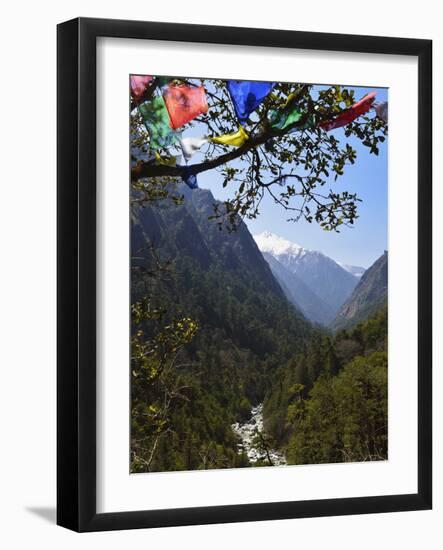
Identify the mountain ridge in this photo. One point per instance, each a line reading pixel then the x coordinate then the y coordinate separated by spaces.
pixel 370 294
pixel 229 264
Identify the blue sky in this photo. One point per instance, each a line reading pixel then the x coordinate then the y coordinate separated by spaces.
pixel 360 245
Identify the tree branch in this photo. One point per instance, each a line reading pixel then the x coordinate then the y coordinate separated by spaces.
pixel 145 170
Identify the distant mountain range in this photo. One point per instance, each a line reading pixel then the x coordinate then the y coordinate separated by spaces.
pixel 369 295
pixel 299 293
pixel 315 283
pixel 255 269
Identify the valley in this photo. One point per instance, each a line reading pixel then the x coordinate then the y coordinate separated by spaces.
pixel 233 357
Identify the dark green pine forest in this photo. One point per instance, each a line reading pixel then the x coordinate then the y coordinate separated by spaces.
pixel 213 336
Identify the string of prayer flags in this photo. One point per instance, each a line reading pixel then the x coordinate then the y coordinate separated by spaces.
pixel 285 117
pixel 189 179
pixel 184 103
pixel 247 95
pixel 139 84
pixel 190 145
pixel 381 110
pixel 349 115
pixel 156 119
pixel 237 139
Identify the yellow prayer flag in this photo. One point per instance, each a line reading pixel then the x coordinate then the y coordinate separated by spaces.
pixel 237 139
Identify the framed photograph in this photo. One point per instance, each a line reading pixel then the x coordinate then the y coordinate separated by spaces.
pixel 231 343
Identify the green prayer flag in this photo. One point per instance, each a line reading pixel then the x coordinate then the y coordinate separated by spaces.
pixel 156 119
pixel 289 115
pixel 284 118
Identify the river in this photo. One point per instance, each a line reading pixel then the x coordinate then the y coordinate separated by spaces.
pixel 249 433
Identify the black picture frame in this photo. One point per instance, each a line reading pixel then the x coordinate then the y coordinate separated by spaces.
pixel 76 248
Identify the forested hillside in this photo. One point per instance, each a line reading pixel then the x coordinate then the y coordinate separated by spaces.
pixel 208 305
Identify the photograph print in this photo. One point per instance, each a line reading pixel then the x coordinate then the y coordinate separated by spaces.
pixel 259 273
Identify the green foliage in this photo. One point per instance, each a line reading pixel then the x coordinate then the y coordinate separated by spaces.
pixel 330 402
pixel 155 378
pixel 345 417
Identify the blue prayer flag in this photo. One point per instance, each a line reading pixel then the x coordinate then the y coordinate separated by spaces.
pixel 247 95
pixel 190 179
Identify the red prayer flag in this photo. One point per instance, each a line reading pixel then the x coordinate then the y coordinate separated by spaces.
pixel 139 85
pixel 348 116
pixel 184 103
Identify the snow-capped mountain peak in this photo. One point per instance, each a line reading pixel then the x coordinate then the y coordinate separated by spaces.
pixel 276 245
pixel 324 276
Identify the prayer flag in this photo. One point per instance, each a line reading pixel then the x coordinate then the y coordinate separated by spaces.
pixel 184 103
pixel 139 84
pixel 247 96
pixel 237 139
pixel 191 145
pixel 156 119
pixel 349 115
pixel 381 110
pixel 190 179
pixel 285 117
